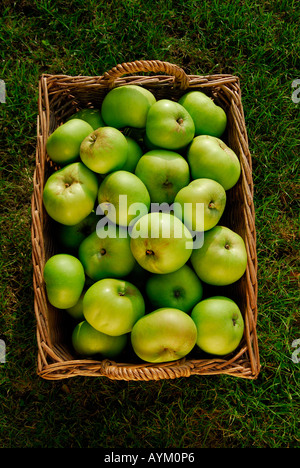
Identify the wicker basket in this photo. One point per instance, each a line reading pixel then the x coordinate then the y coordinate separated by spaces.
pixel 59 97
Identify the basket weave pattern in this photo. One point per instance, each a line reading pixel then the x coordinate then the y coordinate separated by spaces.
pixel 59 97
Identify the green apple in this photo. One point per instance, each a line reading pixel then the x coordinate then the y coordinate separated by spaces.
pixel 127 106
pixel 220 325
pixel 112 306
pixel 64 280
pixel 222 259
pixel 211 158
pixel 91 116
pixel 181 289
pixel 164 335
pixel 150 146
pixel 169 125
pixel 134 154
pixel 76 311
pixel 200 204
pixel 70 193
pixel 70 237
pixel 160 242
pixel 104 150
pixel 208 117
pixel 87 341
pixel 106 253
pixel 164 173
pixel 121 195
pixel 63 145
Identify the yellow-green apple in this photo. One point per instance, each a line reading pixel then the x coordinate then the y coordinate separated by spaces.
pixel 63 145
pixel 76 311
pixel 121 195
pixel 127 106
pixel 211 158
pixel 134 154
pixel 64 280
pixel 164 173
pixel 104 150
pixel 70 193
pixel 169 125
pixel 164 335
pixel 90 115
pixel 181 289
pixel 220 325
pixel 106 253
pixel 112 306
pixel 160 242
pixel 209 118
pixel 70 237
pixel 222 259
pixel 200 204
pixel 87 341
pixel 150 146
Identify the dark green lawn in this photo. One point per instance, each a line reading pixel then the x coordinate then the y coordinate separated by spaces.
pixel 257 41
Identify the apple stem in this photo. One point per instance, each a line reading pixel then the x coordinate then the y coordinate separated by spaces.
pixel 167 183
pixel 149 252
pixel 211 205
pixel 180 121
pixel 102 251
pixel 227 246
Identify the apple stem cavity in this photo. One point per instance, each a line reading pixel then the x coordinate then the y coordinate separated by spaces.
pixel 180 121
pixel 211 205
pixel 227 246
pixel 102 252
pixel 149 252
pixel 167 184
pixel 122 290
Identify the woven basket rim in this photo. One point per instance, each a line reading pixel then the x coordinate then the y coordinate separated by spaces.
pixel 56 364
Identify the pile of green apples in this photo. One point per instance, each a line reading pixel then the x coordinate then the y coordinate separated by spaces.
pixel 136 204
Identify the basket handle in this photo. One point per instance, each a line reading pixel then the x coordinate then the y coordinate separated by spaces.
pixel 180 78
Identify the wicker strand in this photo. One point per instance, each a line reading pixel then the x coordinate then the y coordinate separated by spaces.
pixel 181 79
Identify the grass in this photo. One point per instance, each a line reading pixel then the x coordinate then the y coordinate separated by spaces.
pixel 259 42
